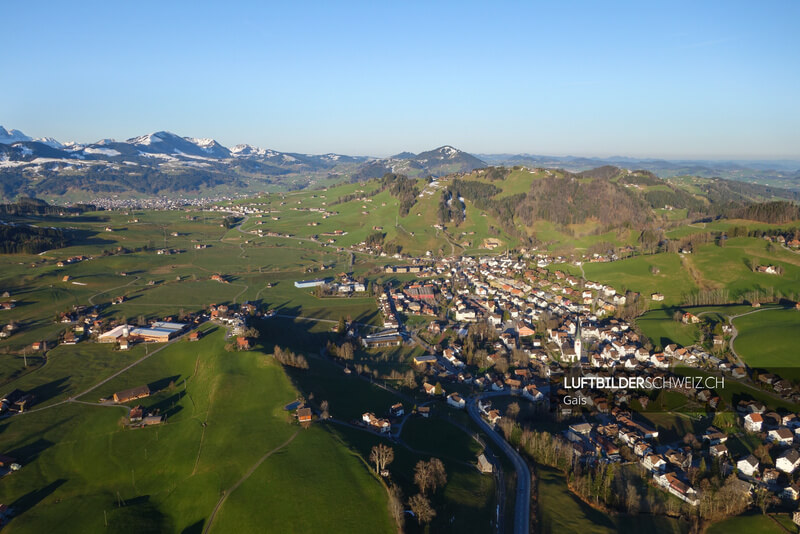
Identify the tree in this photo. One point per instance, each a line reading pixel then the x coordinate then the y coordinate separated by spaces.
pixel 422 508
pixel 382 455
pixel 513 410
pixel 423 477
pixel 346 351
pixel 762 499
pixel 396 505
pixel 438 472
pixel 325 410
pixel 430 475
pixel 437 389
pixel 341 328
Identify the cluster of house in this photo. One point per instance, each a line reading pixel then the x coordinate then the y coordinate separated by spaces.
pixel 780 433
pixel 346 285
pixel 168 251
pixel 789 240
pixel 141 417
pixel 71 260
pixel 415 299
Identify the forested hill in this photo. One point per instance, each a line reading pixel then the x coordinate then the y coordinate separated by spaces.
pixel 607 197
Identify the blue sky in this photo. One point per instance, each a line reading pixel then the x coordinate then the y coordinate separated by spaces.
pixel 694 79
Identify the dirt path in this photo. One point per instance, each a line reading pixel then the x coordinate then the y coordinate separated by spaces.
pixel 245 477
pixel 91 299
pixel 701 283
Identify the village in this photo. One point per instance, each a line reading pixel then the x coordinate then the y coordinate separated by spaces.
pixel 547 324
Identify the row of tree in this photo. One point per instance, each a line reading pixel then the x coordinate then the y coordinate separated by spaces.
pixel 289 358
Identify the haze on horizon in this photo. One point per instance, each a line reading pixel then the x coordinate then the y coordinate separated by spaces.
pixel 684 80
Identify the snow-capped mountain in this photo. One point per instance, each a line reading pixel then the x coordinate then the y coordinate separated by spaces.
pixel 8 137
pixel 164 161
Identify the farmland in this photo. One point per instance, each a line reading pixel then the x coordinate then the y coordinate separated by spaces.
pixel 80 462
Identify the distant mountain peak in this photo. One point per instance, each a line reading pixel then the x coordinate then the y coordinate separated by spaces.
pixel 12 136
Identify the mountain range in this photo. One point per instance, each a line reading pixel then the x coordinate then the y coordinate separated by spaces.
pixel 166 163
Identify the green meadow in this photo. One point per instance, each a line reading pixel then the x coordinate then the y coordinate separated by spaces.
pixel 83 469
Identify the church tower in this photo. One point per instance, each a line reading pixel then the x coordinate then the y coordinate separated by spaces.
pixel 578 346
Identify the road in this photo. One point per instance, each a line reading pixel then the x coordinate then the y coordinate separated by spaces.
pixel 522 503
pixel 735 331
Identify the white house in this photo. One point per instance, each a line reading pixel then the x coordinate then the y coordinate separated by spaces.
pixel 455 400
pixel 788 461
pixel 531 393
pixel 781 436
pixel 654 462
pixel 753 422
pixel 748 466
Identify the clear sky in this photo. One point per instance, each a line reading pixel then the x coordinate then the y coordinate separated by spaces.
pixel 693 79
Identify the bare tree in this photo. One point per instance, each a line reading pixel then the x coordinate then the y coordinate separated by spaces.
pixel 513 410
pixel 396 505
pixel 382 455
pixel 438 472
pixel 422 508
pixel 325 410
pixel 423 477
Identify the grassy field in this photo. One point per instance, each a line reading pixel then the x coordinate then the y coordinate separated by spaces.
pixel 79 462
pixel 752 523
pixel 777 326
pixel 657 273
pixel 728 267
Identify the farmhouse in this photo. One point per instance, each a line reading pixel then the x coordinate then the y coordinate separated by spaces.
pixel 379 425
pixel 128 395
pixel 304 415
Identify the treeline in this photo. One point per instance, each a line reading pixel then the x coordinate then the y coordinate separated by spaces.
pixel 496 173
pixel 29 239
pixel 777 212
pixel 628 490
pixel 289 358
pixel 35 206
pixel 353 196
pixel 677 198
pixel 450 208
pixel 403 188
pixel 105 179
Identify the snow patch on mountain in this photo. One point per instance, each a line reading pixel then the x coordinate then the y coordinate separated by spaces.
pixel 102 151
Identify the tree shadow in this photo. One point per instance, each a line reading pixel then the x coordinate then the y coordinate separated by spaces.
pixel 49 390
pixel 163 383
pixel 195 528
pixel 32 498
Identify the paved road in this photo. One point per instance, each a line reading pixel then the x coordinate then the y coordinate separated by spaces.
pixel 523 496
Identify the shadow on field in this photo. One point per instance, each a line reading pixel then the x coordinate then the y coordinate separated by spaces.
pixel 29 452
pixel 49 390
pixel 195 528
pixel 169 406
pixel 163 383
pixel 32 498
